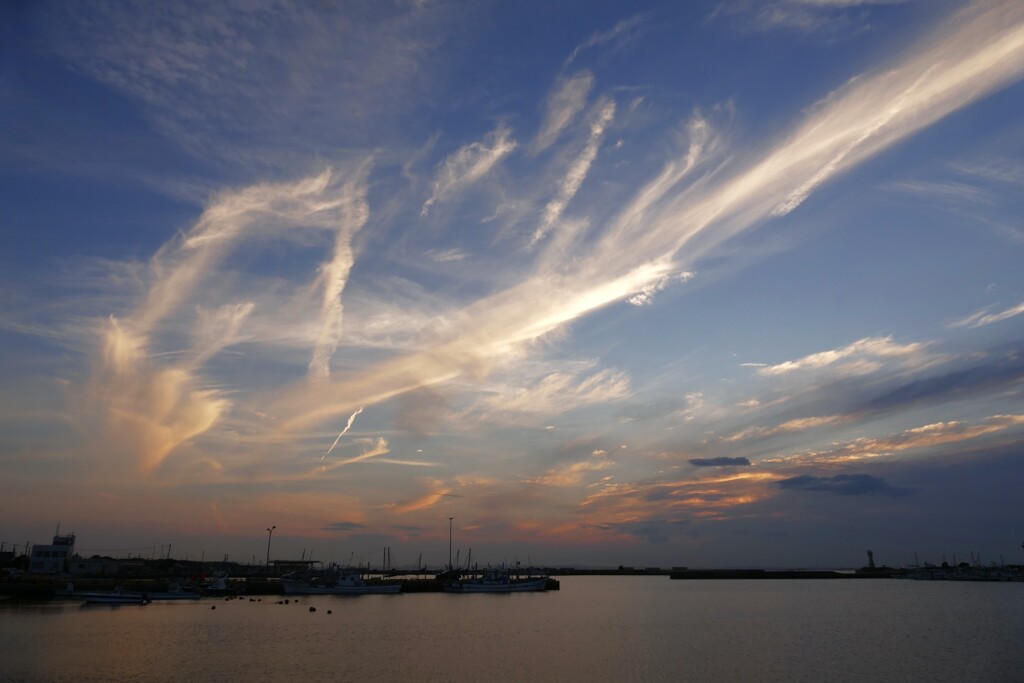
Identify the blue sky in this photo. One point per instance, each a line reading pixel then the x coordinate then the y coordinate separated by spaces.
pixel 609 283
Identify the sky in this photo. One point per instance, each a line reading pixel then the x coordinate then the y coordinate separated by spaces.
pixel 583 283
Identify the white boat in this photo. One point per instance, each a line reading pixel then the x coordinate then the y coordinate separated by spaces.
pixel 173 592
pixel 118 596
pixel 345 583
pixel 497 580
pixel 965 573
pixel 114 598
pixel 221 585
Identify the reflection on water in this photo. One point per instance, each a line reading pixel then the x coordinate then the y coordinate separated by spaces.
pixel 594 628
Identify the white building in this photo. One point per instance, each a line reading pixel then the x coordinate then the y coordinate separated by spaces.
pixel 53 558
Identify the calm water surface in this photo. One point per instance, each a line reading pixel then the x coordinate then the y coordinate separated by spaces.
pixel 594 629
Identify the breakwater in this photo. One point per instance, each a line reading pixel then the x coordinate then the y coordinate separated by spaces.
pixel 883 573
pixel 46 589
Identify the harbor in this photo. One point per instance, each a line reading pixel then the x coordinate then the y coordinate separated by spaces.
pixel 56 572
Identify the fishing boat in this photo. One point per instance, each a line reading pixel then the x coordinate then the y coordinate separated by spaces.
pixel 219 585
pixel 347 582
pixel 118 596
pixel 174 592
pixel 114 598
pixel 496 580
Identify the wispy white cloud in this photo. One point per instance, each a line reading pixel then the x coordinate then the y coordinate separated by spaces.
pixel 257 72
pixel 948 191
pixel 848 3
pixel 974 191
pixel 699 200
pixel 669 224
pixel 180 266
pixel 468 165
pixel 144 410
pixel 567 99
pixel 975 181
pixel 378 448
pixel 217 330
pixel 855 358
pixel 150 403
pixel 984 317
pixel 833 18
pixel 446 255
pixel 645 296
pixel 574 473
pixel 999 170
pixel 619 35
pixel 559 392
pixel 788 427
pixel 436 491
pixel 577 172
pixel 927 436
pixel 334 275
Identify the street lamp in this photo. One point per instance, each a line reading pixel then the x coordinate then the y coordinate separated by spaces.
pixel 270 533
pixel 450 567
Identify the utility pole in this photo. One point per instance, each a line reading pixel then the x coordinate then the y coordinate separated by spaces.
pixel 270 533
pixel 450 543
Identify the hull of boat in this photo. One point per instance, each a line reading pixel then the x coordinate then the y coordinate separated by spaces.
pixel 112 599
pixel 183 595
pixel 531 586
pixel 298 588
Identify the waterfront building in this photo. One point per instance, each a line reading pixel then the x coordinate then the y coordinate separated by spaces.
pixel 94 566
pixel 53 558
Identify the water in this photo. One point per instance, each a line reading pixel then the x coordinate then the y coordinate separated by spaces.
pixel 594 629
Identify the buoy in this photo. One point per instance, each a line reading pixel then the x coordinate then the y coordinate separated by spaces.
pixel 213 606
pixel 312 609
pixel 329 612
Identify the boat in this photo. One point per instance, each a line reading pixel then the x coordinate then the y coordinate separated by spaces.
pixel 496 580
pixel 966 572
pixel 219 585
pixel 118 596
pixel 114 598
pixel 174 592
pixel 347 582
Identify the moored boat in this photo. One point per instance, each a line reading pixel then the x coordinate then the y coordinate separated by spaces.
pixel 966 573
pixel 114 598
pixel 497 580
pixel 174 592
pixel 220 585
pixel 347 582
pixel 118 596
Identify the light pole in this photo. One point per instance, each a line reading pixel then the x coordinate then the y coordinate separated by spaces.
pixel 270 533
pixel 450 567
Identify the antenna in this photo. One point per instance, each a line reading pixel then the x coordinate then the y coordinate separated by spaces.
pixel 450 543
